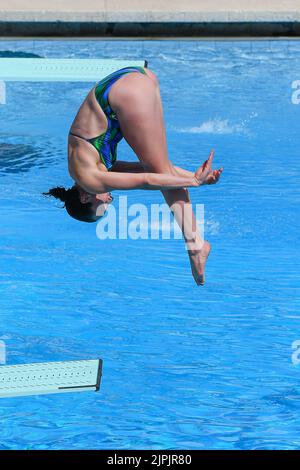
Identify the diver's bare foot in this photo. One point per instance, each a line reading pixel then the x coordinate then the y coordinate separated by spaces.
pixel 197 261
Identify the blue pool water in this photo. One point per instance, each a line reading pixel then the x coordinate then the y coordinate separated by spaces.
pixel 184 367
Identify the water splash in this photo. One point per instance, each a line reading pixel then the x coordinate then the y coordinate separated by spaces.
pixel 220 126
pixel 214 126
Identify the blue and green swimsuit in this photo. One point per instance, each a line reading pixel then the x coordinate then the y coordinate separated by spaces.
pixel 106 143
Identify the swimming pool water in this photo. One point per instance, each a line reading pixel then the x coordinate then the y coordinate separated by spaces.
pixel 184 367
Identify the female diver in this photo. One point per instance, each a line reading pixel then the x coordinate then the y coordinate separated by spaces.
pixel 127 104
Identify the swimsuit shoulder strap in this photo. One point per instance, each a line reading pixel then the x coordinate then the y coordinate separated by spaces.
pixel 80 137
pixel 96 143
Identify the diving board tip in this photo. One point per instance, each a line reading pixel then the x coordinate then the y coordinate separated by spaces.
pixel 50 377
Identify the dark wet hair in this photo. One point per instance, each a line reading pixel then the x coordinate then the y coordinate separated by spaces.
pixel 73 205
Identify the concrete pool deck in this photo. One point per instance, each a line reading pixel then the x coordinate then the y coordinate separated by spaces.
pixel 150 18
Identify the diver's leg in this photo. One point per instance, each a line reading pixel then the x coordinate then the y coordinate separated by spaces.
pixel 137 104
pixel 198 249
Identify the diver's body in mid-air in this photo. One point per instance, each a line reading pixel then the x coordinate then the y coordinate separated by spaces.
pixel 127 104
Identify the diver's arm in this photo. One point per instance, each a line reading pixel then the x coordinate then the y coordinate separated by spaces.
pixel 96 181
pixel 102 181
pixel 138 167
pixel 182 172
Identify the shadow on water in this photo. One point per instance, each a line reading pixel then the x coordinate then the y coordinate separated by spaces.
pixel 20 158
pixel 19 55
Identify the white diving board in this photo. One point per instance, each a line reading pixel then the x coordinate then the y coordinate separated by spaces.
pixel 61 70
pixel 50 377
pixel 58 70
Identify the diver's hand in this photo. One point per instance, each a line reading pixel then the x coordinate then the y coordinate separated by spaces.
pixel 205 174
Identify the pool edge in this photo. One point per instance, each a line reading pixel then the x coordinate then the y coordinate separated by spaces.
pixel 148 30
